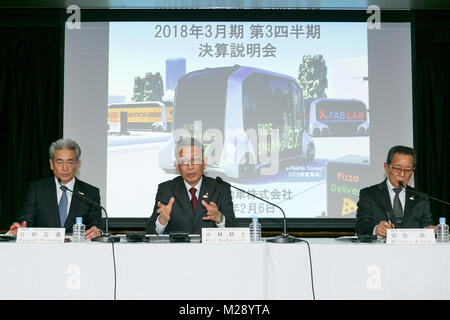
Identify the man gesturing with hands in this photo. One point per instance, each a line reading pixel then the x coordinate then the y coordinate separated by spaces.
pixel 164 211
pixel 191 201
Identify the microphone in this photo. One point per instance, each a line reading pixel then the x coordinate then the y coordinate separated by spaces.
pixel 106 237
pixel 421 194
pixel 284 237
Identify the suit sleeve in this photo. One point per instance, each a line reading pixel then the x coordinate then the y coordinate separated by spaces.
pixel 226 207
pixel 150 225
pixel 364 216
pixel 94 217
pixel 426 217
pixel 28 212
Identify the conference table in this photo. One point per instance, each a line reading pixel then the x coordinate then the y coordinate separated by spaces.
pixel 245 271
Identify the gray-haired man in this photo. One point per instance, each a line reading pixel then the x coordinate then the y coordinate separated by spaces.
pixel 191 201
pixel 49 205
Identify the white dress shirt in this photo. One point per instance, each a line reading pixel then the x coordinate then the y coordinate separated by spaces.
pixel 160 228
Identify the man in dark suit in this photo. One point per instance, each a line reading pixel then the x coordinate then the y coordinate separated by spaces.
pixel 191 201
pixel 390 204
pixel 49 205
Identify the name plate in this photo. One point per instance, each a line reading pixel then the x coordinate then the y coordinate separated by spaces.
pixel 40 235
pixel 225 235
pixel 410 236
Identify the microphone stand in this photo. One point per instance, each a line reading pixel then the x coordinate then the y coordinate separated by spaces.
pixel 282 238
pixel 105 237
pixel 421 194
pixel 438 200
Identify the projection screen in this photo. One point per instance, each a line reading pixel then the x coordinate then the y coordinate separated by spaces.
pixel 301 114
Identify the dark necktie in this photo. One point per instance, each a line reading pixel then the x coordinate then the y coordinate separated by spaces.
pixel 194 198
pixel 397 206
pixel 62 206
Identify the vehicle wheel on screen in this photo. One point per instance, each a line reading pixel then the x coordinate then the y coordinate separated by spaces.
pixel 310 152
pixel 325 132
pixel 362 132
pixel 316 132
pixel 247 169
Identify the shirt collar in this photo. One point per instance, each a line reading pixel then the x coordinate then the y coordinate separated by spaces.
pixel 69 185
pixel 390 186
pixel 197 186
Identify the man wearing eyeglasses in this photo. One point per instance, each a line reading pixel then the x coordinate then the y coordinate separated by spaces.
pixel 390 204
pixel 191 201
pixel 50 205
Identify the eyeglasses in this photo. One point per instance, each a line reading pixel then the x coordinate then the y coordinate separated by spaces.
pixel 69 163
pixel 406 171
pixel 186 162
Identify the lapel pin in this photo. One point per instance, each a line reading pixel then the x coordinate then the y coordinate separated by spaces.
pixel 205 196
pixel 411 198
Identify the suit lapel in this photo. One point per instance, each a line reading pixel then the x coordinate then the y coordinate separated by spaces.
pixel 201 210
pixel 206 192
pixel 409 204
pixel 384 200
pixel 181 195
pixel 74 204
pixel 52 200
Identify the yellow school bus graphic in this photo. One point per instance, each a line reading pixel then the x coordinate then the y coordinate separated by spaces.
pixel 151 115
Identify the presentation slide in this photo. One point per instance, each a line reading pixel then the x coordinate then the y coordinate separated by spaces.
pixel 285 110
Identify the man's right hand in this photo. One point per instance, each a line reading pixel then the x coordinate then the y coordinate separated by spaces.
pixel 13 229
pixel 380 229
pixel 164 211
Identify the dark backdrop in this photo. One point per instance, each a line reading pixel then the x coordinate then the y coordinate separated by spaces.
pixel 31 101
pixel 431 115
pixel 31 66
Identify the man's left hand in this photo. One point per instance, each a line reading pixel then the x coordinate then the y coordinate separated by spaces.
pixel 93 232
pixel 213 213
